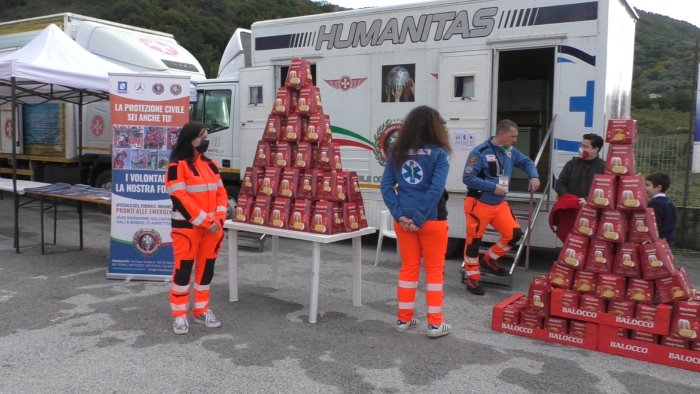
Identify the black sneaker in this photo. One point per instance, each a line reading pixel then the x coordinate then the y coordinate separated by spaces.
pixel 474 287
pixel 492 266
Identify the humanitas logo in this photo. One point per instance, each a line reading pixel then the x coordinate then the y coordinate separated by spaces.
pixel 631 348
pixel 512 327
pixel 634 322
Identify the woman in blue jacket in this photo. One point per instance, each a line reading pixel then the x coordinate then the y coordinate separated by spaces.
pixel 412 186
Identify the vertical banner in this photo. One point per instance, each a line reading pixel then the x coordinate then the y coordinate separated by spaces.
pixel 147 113
pixel 696 141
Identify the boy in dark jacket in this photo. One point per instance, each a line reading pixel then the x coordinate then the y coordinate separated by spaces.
pixel 656 185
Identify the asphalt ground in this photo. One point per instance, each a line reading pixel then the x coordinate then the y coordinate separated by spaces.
pixel 64 327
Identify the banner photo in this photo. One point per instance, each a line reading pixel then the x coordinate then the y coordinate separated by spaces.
pixel 147 113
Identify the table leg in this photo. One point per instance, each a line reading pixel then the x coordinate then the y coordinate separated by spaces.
pixel 55 216
pixel 80 219
pixel 233 265
pixel 41 222
pixel 275 260
pixel 315 276
pixel 357 271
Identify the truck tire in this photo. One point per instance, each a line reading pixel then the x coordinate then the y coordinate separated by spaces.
pixel 104 181
pixel 232 191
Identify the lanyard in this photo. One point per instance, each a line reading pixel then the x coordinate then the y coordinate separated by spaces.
pixel 496 150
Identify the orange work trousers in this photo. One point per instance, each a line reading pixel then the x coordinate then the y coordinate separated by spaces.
pixel 193 247
pixel 430 244
pixel 479 215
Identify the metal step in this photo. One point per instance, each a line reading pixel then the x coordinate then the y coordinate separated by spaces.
pixel 491 279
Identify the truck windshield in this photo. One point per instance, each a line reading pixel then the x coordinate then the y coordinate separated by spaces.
pixel 213 108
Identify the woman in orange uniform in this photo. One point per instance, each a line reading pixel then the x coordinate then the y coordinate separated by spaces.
pixel 199 210
pixel 412 187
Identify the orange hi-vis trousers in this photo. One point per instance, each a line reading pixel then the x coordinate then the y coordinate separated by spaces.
pixel 479 215
pixel 430 244
pixel 193 247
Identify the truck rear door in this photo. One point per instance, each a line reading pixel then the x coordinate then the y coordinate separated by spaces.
pixel 257 93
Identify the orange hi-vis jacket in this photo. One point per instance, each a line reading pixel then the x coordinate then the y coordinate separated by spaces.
pixel 198 194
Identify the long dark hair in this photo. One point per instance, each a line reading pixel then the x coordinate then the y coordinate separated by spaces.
pixel 183 149
pixel 422 126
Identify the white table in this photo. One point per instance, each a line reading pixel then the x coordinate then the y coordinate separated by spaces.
pixel 316 241
pixel 6 185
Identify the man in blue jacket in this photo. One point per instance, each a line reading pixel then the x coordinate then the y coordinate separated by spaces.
pixel 487 175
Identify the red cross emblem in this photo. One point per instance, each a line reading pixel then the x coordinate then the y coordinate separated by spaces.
pixel 98 126
pixel 159 46
pixel 8 128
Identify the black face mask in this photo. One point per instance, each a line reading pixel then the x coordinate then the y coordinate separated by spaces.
pixel 203 146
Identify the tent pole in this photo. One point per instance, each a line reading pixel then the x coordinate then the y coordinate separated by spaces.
pixel 80 139
pixel 14 164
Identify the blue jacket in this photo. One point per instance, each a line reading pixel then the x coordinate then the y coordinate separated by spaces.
pixel 665 213
pixel 421 180
pixel 485 163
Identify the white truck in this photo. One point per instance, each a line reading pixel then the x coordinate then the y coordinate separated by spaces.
pixel 559 65
pixel 49 143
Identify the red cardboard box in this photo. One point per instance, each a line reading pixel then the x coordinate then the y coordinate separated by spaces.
pixel 675 341
pixel 319 104
pixel 621 131
pixel 303 155
pixel 556 324
pixel 642 226
pixel 592 304
pixel 600 257
pixel 279 214
pixel 283 102
pixel 350 216
pixel 283 154
pixel 621 308
pixel 640 290
pixel 586 221
pixel 620 160
pixel 612 226
pixel 270 182
pixel 674 288
pixel 294 129
pixel 631 193
pixel 289 183
pixel 273 128
pixel 338 224
pixel 657 260
pixel 329 157
pixel 307 100
pixel 354 192
pixel 299 74
pixel 308 183
pixel 585 282
pixel 243 208
pixel 686 320
pixel 531 318
pixel 300 215
pixel 573 253
pixel 561 275
pixel 263 154
pixel 251 180
pixel 627 261
pixel 611 287
pixel 602 193
pixel 538 296
pixel 644 336
pixel 570 299
pixel 361 212
pixel 326 181
pixel 322 218
pixel 261 210
pixel 340 188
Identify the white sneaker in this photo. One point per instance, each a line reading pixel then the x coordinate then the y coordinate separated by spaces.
pixel 438 331
pixel 208 319
pixel 181 325
pixel 402 327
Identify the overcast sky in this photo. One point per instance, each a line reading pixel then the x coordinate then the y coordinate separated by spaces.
pixel 677 9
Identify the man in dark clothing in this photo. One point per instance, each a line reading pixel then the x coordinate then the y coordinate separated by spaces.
pixel 577 175
pixel 656 185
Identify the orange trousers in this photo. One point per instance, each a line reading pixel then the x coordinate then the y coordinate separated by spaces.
pixel 193 247
pixel 430 244
pixel 479 215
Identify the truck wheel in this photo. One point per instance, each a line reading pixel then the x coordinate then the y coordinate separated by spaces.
pixel 104 181
pixel 232 191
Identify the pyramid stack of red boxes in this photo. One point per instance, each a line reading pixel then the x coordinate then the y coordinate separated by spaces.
pixel 297 180
pixel 615 287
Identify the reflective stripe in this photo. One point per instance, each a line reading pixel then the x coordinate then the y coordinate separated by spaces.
pixel 179 289
pixel 408 285
pixel 493 255
pixel 406 305
pixel 473 260
pixel 505 248
pixel 434 309
pixel 202 188
pixel 178 307
pixel 471 273
pixel 177 216
pixel 199 219
pixel 202 287
pixel 200 305
pixel 433 287
pixel 221 183
pixel 221 209
pixel 176 186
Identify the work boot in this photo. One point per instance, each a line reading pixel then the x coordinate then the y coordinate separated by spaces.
pixel 181 325
pixel 404 326
pixel 208 319
pixel 492 266
pixel 474 286
pixel 438 331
